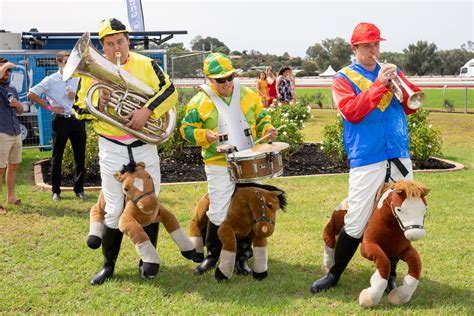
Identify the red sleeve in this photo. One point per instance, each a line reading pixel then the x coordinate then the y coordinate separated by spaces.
pixel 355 107
pixel 401 76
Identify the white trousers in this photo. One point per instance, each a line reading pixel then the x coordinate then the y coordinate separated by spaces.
pixel 112 157
pixel 364 183
pixel 220 189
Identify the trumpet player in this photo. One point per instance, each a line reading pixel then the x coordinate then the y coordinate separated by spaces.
pixel 375 139
pixel 119 149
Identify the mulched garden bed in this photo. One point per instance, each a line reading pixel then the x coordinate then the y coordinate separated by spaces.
pixel 310 160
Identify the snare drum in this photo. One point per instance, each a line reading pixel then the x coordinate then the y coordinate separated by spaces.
pixel 249 166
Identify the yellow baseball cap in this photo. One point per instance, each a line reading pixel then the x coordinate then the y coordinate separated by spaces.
pixel 110 27
pixel 218 65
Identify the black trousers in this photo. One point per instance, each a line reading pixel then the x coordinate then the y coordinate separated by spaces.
pixel 65 128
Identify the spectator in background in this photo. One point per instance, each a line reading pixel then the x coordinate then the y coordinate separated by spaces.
pixel 10 135
pixel 293 85
pixel 261 87
pixel 65 126
pixel 271 85
pixel 283 85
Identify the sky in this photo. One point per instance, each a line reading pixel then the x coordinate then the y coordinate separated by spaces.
pixel 271 27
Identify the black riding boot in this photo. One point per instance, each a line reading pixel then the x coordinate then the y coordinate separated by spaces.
pixel 346 246
pixel 110 249
pixel 392 284
pixel 214 246
pixel 149 270
pixel 244 252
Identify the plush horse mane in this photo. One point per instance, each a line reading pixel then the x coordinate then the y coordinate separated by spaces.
pixel 281 197
pixel 411 188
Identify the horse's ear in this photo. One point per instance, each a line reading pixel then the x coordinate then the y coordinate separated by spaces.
pixel 277 193
pixel 141 164
pixel 118 176
pixel 401 193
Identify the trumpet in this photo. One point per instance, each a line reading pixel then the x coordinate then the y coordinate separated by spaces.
pixel 415 99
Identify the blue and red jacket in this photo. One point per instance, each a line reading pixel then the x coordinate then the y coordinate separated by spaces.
pixel 375 127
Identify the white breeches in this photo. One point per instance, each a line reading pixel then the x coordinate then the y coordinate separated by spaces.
pixel 220 189
pixel 364 183
pixel 112 158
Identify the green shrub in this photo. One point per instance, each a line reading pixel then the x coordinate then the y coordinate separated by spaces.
pixel 293 117
pixel 448 105
pixel 312 99
pixel 174 146
pixel 424 140
pixel 332 143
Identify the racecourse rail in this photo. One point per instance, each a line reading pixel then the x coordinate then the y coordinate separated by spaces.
pixel 318 82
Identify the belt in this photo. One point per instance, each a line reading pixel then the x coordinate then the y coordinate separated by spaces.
pixel 64 115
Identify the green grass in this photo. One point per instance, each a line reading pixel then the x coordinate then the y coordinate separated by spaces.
pixel 434 97
pixel 46 266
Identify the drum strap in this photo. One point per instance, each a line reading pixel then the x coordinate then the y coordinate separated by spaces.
pixel 231 119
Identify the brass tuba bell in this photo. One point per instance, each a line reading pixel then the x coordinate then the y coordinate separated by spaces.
pixel 127 93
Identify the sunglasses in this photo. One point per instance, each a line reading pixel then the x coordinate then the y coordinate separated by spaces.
pixel 224 80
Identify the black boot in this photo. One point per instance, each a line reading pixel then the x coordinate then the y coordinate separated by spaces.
pixel 214 246
pixel 346 246
pixel 149 270
pixel 392 284
pixel 110 249
pixel 244 252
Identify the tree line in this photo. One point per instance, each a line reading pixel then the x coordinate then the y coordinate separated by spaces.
pixel 418 59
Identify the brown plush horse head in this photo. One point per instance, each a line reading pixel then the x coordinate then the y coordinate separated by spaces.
pixel 138 187
pixel 264 205
pixel 407 204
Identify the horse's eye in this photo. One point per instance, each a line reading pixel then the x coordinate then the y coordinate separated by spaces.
pixel 125 189
pixel 398 209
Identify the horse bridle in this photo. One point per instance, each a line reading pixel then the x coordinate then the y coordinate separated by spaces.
pixel 403 227
pixel 138 198
pixel 263 217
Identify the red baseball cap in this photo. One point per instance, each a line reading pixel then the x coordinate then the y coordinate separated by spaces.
pixel 365 33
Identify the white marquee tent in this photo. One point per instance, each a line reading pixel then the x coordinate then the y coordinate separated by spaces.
pixel 330 72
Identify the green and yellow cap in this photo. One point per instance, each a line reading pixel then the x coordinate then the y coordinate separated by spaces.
pixel 218 65
pixel 110 27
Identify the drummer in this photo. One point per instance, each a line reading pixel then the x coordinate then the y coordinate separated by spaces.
pixel 223 109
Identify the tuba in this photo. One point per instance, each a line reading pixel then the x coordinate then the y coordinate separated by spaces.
pixel 127 93
pixel 415 99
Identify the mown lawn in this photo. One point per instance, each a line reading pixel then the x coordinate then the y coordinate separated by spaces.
pixel 46 266
pixel 434 97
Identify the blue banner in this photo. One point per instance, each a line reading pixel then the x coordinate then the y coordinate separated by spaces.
pixel 135 15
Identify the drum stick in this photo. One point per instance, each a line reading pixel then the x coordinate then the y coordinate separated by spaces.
pixel 268 135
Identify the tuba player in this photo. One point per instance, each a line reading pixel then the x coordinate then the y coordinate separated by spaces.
pixel 118 149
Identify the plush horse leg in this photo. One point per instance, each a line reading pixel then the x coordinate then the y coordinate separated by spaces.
pixel 198 226
pixel 328 259
pixel 346 246
pixel 260 258
pixel 147 252
pixel 152 233
pixel 372 295
pixel 331 231
pixel 110 249
pixel 403 294
pixel 172 226
pixel 214 246
pixel 392 279
pixel 96 226
pixel 227 256
pixel 244 252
